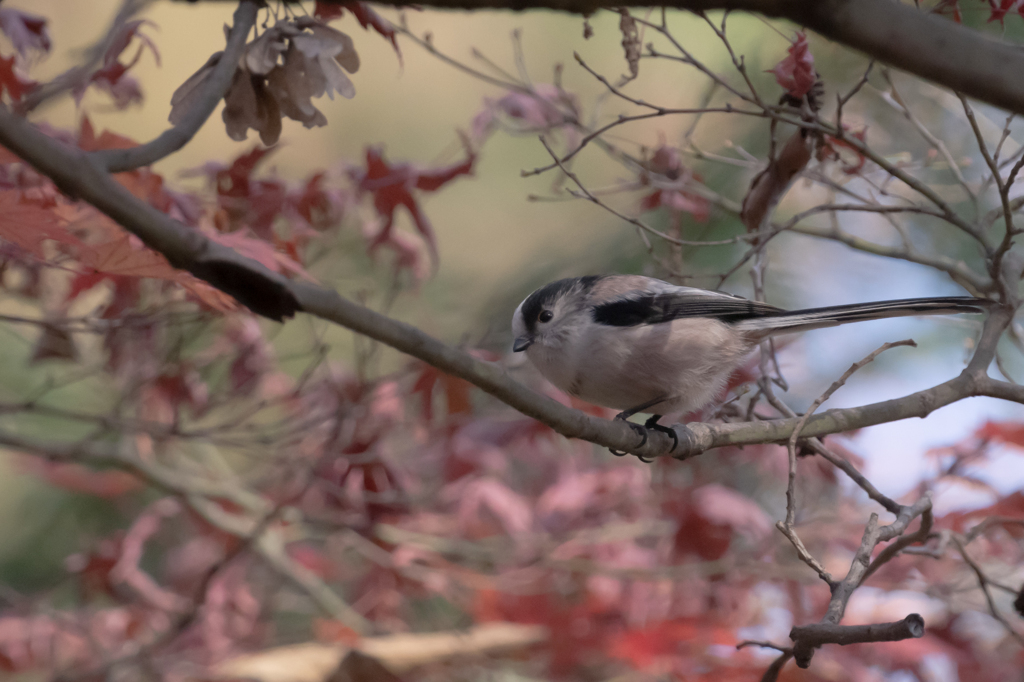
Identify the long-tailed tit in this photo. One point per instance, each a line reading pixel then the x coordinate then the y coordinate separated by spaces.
pixel 639 344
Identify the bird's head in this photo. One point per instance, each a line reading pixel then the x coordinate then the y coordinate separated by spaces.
pixel 546 317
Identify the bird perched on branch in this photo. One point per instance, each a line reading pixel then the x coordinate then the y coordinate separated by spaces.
pixel 639 344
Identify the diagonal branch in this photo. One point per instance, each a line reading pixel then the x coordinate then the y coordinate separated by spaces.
pixel 78 175
pixel 214 89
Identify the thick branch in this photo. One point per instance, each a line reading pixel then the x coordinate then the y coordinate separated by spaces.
pixel 79 176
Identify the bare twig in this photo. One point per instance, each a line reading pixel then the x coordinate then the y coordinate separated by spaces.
pixel 983 583
pixel 806 638
pixel 589 196
pixel 892 551
pixel 873 535
pixel 896 100
pixel 915 41
pixel 205 496
pixel 787 527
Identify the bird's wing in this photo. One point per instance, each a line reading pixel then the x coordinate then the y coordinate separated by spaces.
pixel 663 302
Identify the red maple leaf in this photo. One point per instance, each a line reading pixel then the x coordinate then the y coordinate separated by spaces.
pixel 829 149
pixel 317 206
pixel 456 391
pixel 334 632
pixel 178 387
pixel 261 251
pixel 666 162
pixel 28 224
pixel 113 76
pixel 243 199
pixel 90 142
pixel 710 515
pixel 105 483
pixel 796 73
pixel 121 261
pixel 951 6
pixel 233 181
pixel 1000 8
pixel 392 186
pixel 1004 432
pixel 368 18
pixel 27 32
pixel 15 85
pixel 327 11
pixel 120 257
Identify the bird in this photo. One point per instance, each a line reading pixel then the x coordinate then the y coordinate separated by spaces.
pixel 640 344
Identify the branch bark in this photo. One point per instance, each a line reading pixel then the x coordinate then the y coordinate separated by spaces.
pixel 807 638
pixel 214 89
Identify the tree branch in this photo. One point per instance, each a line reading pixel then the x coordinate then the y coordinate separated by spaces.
pixel 78 175
pixel 214 89
pixel 807 638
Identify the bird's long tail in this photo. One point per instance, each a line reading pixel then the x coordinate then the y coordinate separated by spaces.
pixel 786 321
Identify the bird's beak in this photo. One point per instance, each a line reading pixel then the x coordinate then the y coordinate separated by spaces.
pixel 521 344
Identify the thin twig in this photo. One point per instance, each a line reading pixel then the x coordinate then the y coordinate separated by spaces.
pixel 983 583
pixel 215 88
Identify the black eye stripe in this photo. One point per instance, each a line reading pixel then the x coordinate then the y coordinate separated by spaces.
pixel 655 308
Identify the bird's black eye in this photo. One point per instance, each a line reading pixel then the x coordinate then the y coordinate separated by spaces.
pixel 545 316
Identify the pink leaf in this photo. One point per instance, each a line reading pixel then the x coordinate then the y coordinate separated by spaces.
pixel 14 83
pixel 392 186
pixel 113 76
pixel 27 31
pixel 796 72
pixel 368 18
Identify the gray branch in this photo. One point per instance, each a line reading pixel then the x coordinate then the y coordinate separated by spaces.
pixel 807 638
pixel 214 89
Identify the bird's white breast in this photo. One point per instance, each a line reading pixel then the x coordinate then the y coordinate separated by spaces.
pixel 686 361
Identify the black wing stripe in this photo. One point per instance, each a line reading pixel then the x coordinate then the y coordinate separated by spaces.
pixel 655 308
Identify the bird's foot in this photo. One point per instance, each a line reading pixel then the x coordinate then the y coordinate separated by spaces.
pixel 640 431
pixel 652 423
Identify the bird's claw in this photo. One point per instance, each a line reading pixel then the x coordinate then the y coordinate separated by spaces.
pixel 640 431
pixel 652 423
